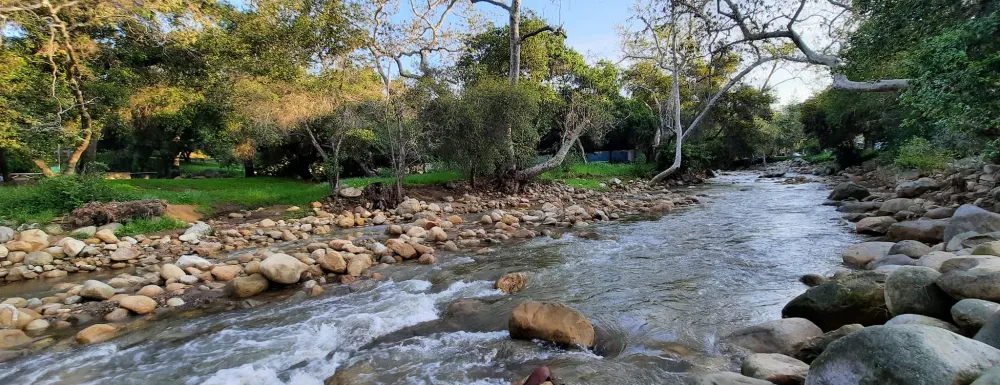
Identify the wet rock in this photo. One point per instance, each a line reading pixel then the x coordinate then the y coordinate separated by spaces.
pixel 358 264
pixel 778 336
pixel 912 249
pixel 95 334
pixel 550 321
pixel 117 315
pixel 727 378
pixel 848 190
pixel 861 254
pixel 16 318
pixel 972 314
pixel 808 350
pixel 971 218
pixel 93 289
pixel 11 339
pixel 281 268
pixel 403 249
pixel 333 261
pixel 813 280
pixel 891 260
pixel 924 230
pixel 427 259
pixel 511 283
pixel 912 290
pixel 972 283
pixel 775 368
pixel 856 298
pixel 902 355
pixel 243 287
pixel 874 225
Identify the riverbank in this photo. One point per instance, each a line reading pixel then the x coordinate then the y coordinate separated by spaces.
pixel 916 304
pixel 231 263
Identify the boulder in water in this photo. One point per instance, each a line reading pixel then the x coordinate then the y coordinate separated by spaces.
pixel 874 225
pixel 856 298
pixel 550 321
pixel 778 336
pixel 808 350
pixel 902 355
pixel 243 287
pixel 94 334
pixel 281 268
pixel 511 283
pixel 860 254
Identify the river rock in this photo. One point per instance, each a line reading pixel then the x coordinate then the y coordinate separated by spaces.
pixel 550 321
pixel 94 289
pixel 186 261
pixel 971 218
pixel 124 253
pixel 902 355
pixel 727 378
pixel 6 234
pixel 150 291
pixel 511 283
pixel 16 318
pixel 910 248
pixel 333 262
pixel 139 304
pixel 973 283
pixel 171 271
pixel 923 230
pixel 916 319
pixel 197 230
pixel 72 247
pixel 890 260
pixel 358 265
pixel 11 339
pixel 874 225
pixel 912 290
pixel 939 213
pixel 935 259
pixel 991 377
pixel 808 350
pixel 778 336
pixel 856 298
pixel 893 206
pixel 988 248
pixel 38 258
pixel 848 190
pixel 281 268
pixel 243 287
pixel 971 314
pixel 858 207
pixel 916 188
pixel 107 236
pixel 94 334
pixel 775 368
pixel 36 239
pixel 404 249
pixel 226 272
pixel 861 254
pixel 350 192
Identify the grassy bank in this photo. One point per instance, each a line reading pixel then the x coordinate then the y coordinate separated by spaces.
pixel 49 198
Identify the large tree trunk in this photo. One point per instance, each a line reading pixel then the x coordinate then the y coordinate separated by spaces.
pixel 4 167
pixel 583 152
pixel 44 167
pixel 527 175
pixel 73 75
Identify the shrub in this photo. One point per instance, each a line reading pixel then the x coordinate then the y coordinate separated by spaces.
pixel 150 225
pixel 992 151
pixel 59 195
pixel 920 154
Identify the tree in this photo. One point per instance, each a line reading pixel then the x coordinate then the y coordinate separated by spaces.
pixel 675 36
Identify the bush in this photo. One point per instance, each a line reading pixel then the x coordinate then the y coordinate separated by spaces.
pixel 992 151
pixel 150 225
pixel 920 154
pixel 59 195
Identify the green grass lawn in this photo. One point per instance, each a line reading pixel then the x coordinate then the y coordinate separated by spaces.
pixel 196 167
pixel 590 175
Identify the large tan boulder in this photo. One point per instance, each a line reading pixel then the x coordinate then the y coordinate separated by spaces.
pixel 13 339
pixel 404 249
pixel 139 304
pixel 106 236
pixel 94 289
pixel 281 268
pixel 776 368
pixel 34 237
pixel 550 321
pixel 94 334
pixel 171 271
pixel 511 283
pixel 15 318
pixel 243 287
pixel 332 261
pixel 358 265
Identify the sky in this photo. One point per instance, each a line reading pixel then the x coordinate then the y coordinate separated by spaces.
pixel 592 29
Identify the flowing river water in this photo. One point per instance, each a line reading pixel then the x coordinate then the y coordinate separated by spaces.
pixel 660 292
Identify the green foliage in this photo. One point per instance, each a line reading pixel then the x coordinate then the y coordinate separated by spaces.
pixel 472 126
pixel 425 179
pixel 150 225
pixel 56 196
pixel 238 193
pixel 920 154
pixel 591 175
pixel 822 157
pixel 992 151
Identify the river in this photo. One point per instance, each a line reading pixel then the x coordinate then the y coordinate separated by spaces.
pixel 660 292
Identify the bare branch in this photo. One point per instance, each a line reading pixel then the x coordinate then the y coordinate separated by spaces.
pixel 557 31
pixel 505 7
